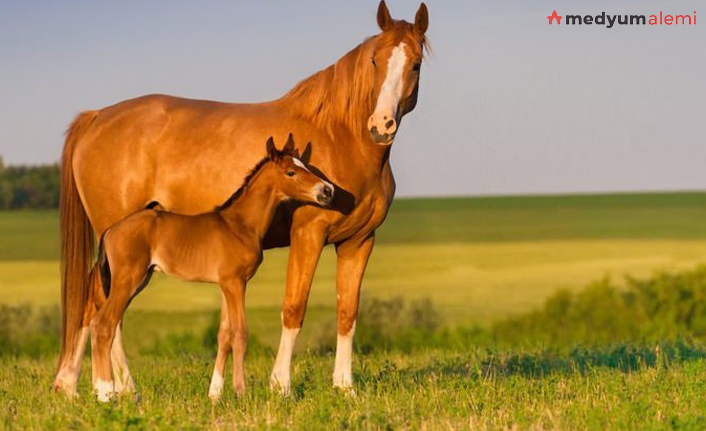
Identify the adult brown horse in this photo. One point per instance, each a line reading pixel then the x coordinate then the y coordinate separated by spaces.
pixel 188 154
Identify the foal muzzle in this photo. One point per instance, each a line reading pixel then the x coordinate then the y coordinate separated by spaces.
pixel 325 194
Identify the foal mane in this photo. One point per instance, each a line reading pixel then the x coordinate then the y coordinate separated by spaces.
pixel 246 182
pixel 345 92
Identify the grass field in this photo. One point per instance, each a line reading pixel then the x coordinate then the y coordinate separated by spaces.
pixel 431 390
pixel 478 260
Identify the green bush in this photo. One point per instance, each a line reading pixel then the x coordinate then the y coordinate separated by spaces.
pixel 668 309
pixel 388 324
pixel 186 343
pixel 29 332
pixel 665 307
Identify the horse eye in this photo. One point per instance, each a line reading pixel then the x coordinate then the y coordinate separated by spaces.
pixel 416 67
pixel 373 60
pixel 290 173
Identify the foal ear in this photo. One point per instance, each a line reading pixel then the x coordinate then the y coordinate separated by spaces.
pixel 384 18
pixel 421 21
pixel 271 149
pixel 289 146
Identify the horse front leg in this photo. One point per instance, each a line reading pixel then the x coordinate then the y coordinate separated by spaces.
pixel 306 245
pixel 352 260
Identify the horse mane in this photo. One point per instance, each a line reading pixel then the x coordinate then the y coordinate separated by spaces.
pixel 248 178
pixel 344 92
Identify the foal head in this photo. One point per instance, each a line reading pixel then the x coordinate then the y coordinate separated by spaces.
pixel 396 57
pixel 292 179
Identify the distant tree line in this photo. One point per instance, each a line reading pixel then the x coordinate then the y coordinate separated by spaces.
pixel 23 186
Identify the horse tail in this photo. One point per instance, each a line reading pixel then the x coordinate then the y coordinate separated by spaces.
pixel 76 243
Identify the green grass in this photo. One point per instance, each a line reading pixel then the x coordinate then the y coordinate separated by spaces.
pixel 34 235
pixel 479 260
pixel 430 390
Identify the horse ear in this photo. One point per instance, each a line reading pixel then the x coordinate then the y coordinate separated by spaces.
pixel 271 149
pixel 384 18
pixel 421 21
pixel 289 146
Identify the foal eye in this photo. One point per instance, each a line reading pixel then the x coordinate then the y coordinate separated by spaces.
pixel 372 59
pixel 290 173
pixel 417 67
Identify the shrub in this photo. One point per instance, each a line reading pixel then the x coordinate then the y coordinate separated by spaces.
pixel 665 307
pixel 29 332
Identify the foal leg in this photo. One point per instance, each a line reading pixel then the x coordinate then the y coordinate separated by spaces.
pixel 352 259
pixel 103 330
pixel 306 245
pixel 234 293
pixel 224 348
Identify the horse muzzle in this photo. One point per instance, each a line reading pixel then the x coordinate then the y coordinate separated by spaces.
pixel 382 130
pixel 381 139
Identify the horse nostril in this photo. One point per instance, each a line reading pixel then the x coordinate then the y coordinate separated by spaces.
pixel 389 124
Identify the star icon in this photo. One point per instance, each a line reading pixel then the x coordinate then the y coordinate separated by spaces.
pixel 554 16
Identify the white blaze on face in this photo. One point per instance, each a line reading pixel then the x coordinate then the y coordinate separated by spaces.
pixel 391 90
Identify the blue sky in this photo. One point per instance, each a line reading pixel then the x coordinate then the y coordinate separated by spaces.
pixel 508 104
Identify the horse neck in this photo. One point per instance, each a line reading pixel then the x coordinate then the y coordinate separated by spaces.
pixel 253 210
pixel 337 96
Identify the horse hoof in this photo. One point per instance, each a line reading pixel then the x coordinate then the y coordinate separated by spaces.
pixel 104 391
pixel 346 390
pixel 279 385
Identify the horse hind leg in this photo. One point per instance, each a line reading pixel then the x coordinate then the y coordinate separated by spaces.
pixel 67 377
pixel 224 347
pixel 124 384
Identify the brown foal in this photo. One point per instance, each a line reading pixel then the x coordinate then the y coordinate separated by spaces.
pixel 223 246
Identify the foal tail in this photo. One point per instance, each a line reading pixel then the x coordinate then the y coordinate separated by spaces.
pixel 76 243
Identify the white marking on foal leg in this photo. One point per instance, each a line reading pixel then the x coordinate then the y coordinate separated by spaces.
pixel 342 374
pixel 104 390
pixel 280 377
pixel 216 388
pixel 67 377
pixel 118 359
